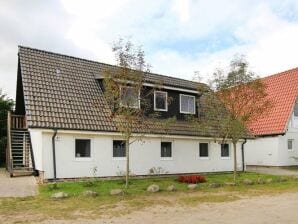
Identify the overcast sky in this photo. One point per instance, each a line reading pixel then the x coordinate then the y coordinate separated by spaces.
pixel 179 36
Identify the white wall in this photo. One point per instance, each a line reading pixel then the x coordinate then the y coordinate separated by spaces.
pixel 285 155
pixel 262 151
pixel 144 155
pixel 36 140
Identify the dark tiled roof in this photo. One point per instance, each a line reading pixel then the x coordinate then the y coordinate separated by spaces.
pixel 61 92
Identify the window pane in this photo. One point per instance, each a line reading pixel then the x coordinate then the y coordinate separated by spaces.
pixel 129 97
pixel 290 144
pixel 160 100
pixel 82 148
pixel 166 149
pixel 225 152
pixel 119 148
pixel 204 150
pixel 296 110
pixel 187 104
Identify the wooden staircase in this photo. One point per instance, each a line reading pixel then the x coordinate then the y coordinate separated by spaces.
pixel 20 160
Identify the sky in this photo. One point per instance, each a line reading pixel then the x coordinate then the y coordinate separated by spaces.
pixel 179 37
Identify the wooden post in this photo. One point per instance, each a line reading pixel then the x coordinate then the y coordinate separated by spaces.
pixel 8 148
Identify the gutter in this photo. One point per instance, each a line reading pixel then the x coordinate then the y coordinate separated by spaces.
pixel 242 151
pixel 54 152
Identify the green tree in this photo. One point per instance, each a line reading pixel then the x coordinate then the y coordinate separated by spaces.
pixel 6 104
pixel 238 98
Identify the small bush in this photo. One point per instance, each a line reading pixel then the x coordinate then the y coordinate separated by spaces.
pixel 53 186
pixel 89 183
pixel 192 179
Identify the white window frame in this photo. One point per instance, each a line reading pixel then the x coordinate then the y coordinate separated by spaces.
pixel 186 112
pixel 225 157
pixel 293 142
pixel 117 158
pixel 158 109
pixel 139 101
pixel 83 159
pixel 167 158
pixel 204 157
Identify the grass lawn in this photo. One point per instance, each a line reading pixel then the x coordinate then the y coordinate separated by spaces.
pixel 135 197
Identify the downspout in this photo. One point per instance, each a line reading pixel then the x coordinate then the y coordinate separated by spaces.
pixel 242 151
pixel 54 152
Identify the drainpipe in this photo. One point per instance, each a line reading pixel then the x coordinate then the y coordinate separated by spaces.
pixel 242 150
pixel 54 152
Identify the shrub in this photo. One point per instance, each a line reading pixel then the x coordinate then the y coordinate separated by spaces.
pixel 53 186
pixel 192 179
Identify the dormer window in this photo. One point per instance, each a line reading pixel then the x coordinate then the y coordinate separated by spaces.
pixel 160 101
pixel 187 104
pixel 129 97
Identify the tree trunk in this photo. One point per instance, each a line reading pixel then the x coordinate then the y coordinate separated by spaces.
pixel 127 162
pixel 235 160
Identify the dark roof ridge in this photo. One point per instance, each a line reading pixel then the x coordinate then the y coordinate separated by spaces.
pixel 93 61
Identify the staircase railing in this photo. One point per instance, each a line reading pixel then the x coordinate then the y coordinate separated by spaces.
pixel 18 122
pixel 9 161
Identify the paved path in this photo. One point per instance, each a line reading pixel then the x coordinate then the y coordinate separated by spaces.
pixel 17 186
pixel 274 171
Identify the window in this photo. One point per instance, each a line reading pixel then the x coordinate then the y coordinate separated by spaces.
pixel 160 101
pixel 129 97
pixel 187 104
pixel 204 152
pixel 82 148
pixel 119 148
pixel 296 110
pixel 290 144
pixel 225 150
pixel 166 149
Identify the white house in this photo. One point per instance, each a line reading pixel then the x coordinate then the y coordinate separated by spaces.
pixel 62 126
pixel 276 132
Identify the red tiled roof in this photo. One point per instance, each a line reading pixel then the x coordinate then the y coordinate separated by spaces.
pixel 282 90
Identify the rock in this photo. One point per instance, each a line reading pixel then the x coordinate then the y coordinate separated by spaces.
pixel 90 193
pixel 295 178
pixel 192 186
pixel 116 192
pixel 59 195
pixel 282 179
pixel 153 188
pixel 171 188
pixel 230 183
pixel 248 182
pixel 260 181
pixel 214 185
pixel 269 181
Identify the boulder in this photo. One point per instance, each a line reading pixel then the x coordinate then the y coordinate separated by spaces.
pixel 248 182
pixel 59 195
pixel 171 188
pixel 282 179
pixel 230 183
pixel 153 188
pixel 90 193
pixel 295 178
pixel 214 185
pixel 269 181
pixel 260 181
pixel 116 192
pixel 192 186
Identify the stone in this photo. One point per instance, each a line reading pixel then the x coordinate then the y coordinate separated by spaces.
pixel 59 195
pixel 269 181
pixel 192 186
pixel 248 182
pixel 282 179
pixel 295 178
pixel 230 183
pixel 90 193
pixel 214 185
pixel 153 188
pixel 171 188
pixel 260 181
pixel 116 192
